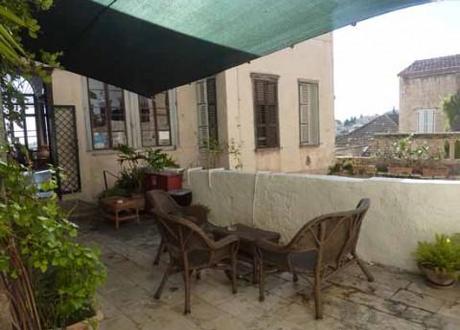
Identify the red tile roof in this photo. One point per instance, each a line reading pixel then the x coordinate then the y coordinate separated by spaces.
pixel 432 66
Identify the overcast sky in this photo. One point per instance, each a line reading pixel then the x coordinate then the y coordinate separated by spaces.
pixel 368 57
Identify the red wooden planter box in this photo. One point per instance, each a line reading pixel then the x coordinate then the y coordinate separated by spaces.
pixel 165 181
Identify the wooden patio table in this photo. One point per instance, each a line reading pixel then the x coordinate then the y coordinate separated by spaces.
pixel 118 208
pixel 248 237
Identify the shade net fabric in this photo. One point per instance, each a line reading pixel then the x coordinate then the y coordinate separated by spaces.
pixel 148 46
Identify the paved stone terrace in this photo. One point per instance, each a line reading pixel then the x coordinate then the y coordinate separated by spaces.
pixel 394 301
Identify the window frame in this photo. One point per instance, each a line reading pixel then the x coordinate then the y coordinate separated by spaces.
pixel 318 122
pixel 423 111
pixel 273 78
pixel 204 82
pixel 108 114
pixel 155 120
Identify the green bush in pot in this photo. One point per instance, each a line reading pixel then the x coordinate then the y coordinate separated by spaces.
pixel 440 260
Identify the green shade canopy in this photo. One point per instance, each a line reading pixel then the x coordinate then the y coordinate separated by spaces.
pixel 147 46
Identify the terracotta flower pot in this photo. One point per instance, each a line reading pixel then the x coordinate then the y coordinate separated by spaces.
pixel 435 171
pixel 436 278
pixel 400 170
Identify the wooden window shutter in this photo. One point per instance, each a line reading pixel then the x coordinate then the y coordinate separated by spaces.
pixel 266 112
pixel 202 109
pixel 211 95
pixel 308 113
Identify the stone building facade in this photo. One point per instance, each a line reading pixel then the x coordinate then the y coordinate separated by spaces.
pixel 423 86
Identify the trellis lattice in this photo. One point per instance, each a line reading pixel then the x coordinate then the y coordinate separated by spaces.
pixel 67 148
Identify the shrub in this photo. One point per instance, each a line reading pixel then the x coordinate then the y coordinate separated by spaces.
pixel 63 274
pixel 442 255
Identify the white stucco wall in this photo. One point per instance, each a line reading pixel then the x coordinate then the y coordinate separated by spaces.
pixel 402 212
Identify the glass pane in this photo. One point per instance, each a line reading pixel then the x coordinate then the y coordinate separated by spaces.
pixel 161 100
pixel 95 84
pixel 162 122
pixel 97 108
pixel 32 142
pixel 101 140
pixel 117 110
pixel 148 139
pixel 31 123
pixel 29 99
pixel 30 110
pixel 118 138
pixel 164 138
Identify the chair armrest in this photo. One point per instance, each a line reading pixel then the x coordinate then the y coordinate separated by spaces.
pixel 227 240
pixel 199 212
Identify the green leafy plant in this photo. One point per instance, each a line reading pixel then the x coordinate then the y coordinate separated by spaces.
pixel 442 255
pixel 451 108
pixel 213 150
pixel 38 249
pixel 132 174
pixel 158 160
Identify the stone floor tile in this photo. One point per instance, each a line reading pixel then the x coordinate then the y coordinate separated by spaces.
pixel 396 300
pixel 118 323
pixel 202 311
pixel 365 317
pixel 418 300
pixel 420 286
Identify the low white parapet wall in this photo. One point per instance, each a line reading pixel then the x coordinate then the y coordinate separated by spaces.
pixel 402 212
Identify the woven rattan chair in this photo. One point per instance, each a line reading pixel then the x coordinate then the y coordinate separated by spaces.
pixel 322 247
pixel 160 200
pixel 190 249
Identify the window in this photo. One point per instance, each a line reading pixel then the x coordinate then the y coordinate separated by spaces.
pixel 425 121
pixel 308 113
pixel 24 118
pixel 107 113
pixel 207 111
pixel 266 110
pixel 155 120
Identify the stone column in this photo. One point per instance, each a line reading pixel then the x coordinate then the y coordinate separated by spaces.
pixel 452 149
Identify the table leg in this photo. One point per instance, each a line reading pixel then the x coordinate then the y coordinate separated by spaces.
pixel 255 269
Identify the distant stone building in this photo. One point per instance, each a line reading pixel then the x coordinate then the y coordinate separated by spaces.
pixel 357 142
pixel 422 87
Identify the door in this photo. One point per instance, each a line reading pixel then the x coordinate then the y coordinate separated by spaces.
pixel 65 130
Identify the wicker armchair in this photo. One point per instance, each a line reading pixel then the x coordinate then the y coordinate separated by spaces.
pixel 320 248
pixel 163 202
pixel 190 249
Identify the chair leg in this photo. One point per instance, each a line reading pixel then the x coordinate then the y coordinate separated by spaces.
pixel 318 302
pixel 261 281
pixel 363 267
pixel 198 275
pixel 295 278
pixel 234 270
pixel 161 248
pixel 163 282
pixel 187 275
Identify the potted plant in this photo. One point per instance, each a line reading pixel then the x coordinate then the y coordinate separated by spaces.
pixel 156 176
pixel 50 278
pixel 432 168
pixel 404 159
pixel 439 261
